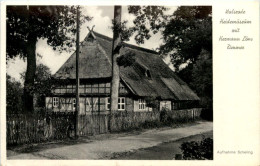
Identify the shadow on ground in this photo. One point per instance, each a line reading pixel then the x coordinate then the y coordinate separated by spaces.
pixel 163 151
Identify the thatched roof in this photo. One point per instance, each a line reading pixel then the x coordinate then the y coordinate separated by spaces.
pixel 148 76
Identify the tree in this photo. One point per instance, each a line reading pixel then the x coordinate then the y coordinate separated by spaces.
pixel 43 84
pixel 27 24
pixel 148 20
pixel 14 92
pixel 121 33
pixel 188 31
pixel 202 78
pixel 188 40
pixel 115 54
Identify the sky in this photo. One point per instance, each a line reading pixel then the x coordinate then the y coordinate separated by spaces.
pixel 102 16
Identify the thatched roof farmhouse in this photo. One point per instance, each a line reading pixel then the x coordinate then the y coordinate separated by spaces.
pixel 147 77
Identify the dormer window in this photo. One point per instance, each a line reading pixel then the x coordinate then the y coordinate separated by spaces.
pixel 148 74
pixel 143 70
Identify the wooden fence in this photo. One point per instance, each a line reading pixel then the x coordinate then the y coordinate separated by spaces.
pixel 59 125
pixel 38 128
pixel 93 124
pixel 185 114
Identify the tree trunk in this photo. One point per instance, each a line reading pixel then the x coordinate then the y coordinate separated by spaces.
pixel 115 55
pixel 30 73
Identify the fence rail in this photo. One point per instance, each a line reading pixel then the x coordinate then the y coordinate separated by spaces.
pixel 59 125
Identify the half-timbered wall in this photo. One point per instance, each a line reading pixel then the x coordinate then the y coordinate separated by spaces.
pixel 89 89
pixel 87 104
pixel 94 97
pixel 140 105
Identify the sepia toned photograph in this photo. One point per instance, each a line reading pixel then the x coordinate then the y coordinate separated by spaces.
pixel 109 83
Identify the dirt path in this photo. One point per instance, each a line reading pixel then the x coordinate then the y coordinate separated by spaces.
pixel 104 149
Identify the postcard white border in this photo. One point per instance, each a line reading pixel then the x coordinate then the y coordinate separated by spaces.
pixel 251 72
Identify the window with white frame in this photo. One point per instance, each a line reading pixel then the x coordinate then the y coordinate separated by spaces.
pixel 74 104
pixel 55 102
pixel 142 104
pixel 108 103
pixel 121 103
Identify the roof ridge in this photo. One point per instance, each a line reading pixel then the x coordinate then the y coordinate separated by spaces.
pixel 96 63
pixel 126 44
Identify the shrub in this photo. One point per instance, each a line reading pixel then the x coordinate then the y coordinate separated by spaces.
pixel 198 150
pixel 169 119
pixel 14 93
pixel 151 124
pixel 163 115
pixel 151 102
